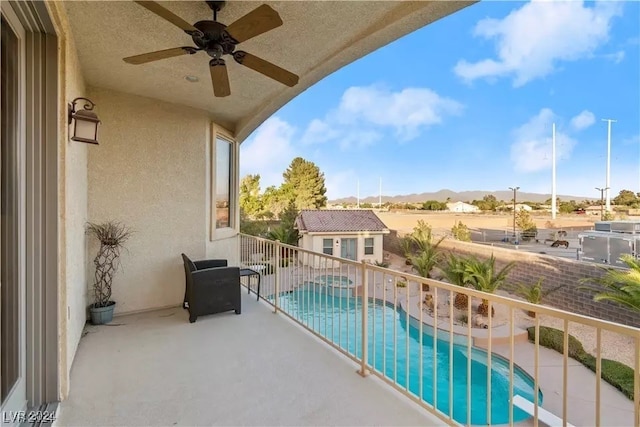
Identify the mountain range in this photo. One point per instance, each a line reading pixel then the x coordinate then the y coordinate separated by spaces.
pixel 464 196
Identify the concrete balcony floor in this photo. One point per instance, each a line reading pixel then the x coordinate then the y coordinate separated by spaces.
pixel 256 368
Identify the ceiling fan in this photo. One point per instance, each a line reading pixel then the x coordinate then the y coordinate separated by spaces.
pixel 217 40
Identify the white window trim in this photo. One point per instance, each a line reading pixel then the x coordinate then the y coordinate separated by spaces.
pixel 218 131
pixel 327 247
pixel 372 246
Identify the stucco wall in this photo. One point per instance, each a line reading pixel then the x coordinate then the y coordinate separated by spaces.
pixel 314 242
pixel 76 216
pixel 149 172
pixel 72 203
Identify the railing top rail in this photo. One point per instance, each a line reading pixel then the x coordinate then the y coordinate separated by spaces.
pixel 299 249
pixel 572 317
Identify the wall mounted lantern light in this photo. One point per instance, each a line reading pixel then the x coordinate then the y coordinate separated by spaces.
pixel 85 126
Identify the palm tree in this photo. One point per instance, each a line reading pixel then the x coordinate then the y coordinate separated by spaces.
pixel 424 262
pixel 482 275
pixel 428 257
pixel 455 273
pixel 623 287
pixel 406 245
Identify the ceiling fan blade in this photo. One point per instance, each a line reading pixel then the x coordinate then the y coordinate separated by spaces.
pixel 169 16
pixel 159 54
pixel 258 21
pixel 266 68
pixel 219 78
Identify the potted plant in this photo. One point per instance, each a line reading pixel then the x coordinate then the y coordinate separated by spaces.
pixel 111 236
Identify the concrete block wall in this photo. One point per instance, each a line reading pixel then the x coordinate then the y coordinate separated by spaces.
pixel 564 275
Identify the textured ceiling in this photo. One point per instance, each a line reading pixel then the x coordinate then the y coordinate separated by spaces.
pixel 317 38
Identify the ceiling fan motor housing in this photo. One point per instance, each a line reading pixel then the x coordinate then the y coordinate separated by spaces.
pixel 214 39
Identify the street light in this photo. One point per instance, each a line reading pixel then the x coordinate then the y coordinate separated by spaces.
pixel 514 209
pixel 602 190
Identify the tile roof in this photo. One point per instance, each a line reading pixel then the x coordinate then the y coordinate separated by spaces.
pixel 338 220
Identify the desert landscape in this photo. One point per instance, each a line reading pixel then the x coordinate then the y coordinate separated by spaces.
pixel 405 221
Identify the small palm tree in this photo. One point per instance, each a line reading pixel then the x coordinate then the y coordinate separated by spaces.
pixel 455 273
pixel 406 245
pixel 424 262
pixel 623 287
pixel 284 234
pixel 428 257
pixel 483 277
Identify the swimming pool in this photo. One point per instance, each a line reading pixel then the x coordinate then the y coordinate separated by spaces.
pixel 338 318
pixel 327 279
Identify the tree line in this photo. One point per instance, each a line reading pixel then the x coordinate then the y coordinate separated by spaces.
pixel 303 187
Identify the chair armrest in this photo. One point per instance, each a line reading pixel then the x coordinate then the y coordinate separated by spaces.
pixel 210 263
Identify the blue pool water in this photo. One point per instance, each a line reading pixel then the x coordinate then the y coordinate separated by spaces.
pixel 326 279
pixel 338 319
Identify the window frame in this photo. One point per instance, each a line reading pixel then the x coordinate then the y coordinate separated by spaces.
pixel 217 233
pixel 324 248
pixel 372 246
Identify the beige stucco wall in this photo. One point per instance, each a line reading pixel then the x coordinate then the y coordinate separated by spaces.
pixel 149 172
pixel 313 242
pixel 76 217
pixel 72 203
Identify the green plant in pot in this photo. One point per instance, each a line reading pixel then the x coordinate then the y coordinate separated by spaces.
pixel 111 235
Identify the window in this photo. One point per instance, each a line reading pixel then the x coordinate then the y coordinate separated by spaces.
pixel 368 246
pixel 223 180
pixel 327 246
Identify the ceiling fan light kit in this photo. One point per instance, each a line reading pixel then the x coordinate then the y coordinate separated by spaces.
pixel 218 40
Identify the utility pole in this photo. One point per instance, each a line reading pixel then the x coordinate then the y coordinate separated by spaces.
pixel 602 190
pixel 514 209
pixel 608 161
pixel 553 174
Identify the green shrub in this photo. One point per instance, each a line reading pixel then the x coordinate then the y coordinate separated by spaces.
pixel 382 264
pixel 615 373
pixel 554 338
pixel 461 232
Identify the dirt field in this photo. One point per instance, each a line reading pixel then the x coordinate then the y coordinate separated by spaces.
pixel 404 222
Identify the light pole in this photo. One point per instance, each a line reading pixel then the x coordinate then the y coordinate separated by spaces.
pixel 554 196
pixel 514 209
pixel 602 190
pixel 608 160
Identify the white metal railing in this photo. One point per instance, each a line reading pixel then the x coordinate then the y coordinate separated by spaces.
pixel 464 375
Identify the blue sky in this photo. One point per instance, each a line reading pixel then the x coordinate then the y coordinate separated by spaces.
pixel 467 103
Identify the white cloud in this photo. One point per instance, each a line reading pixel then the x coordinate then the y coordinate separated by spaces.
pixel 268 152
pixel 616 57
pixel 365 112
pixel 341 184
pixel 583 120
pixel 531 40
pixel 318 131
pixel 531 150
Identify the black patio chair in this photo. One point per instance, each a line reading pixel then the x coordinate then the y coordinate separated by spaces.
pixel 210 287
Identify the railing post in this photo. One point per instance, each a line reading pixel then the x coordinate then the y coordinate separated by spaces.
pixel 276 277
pixel 365 320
